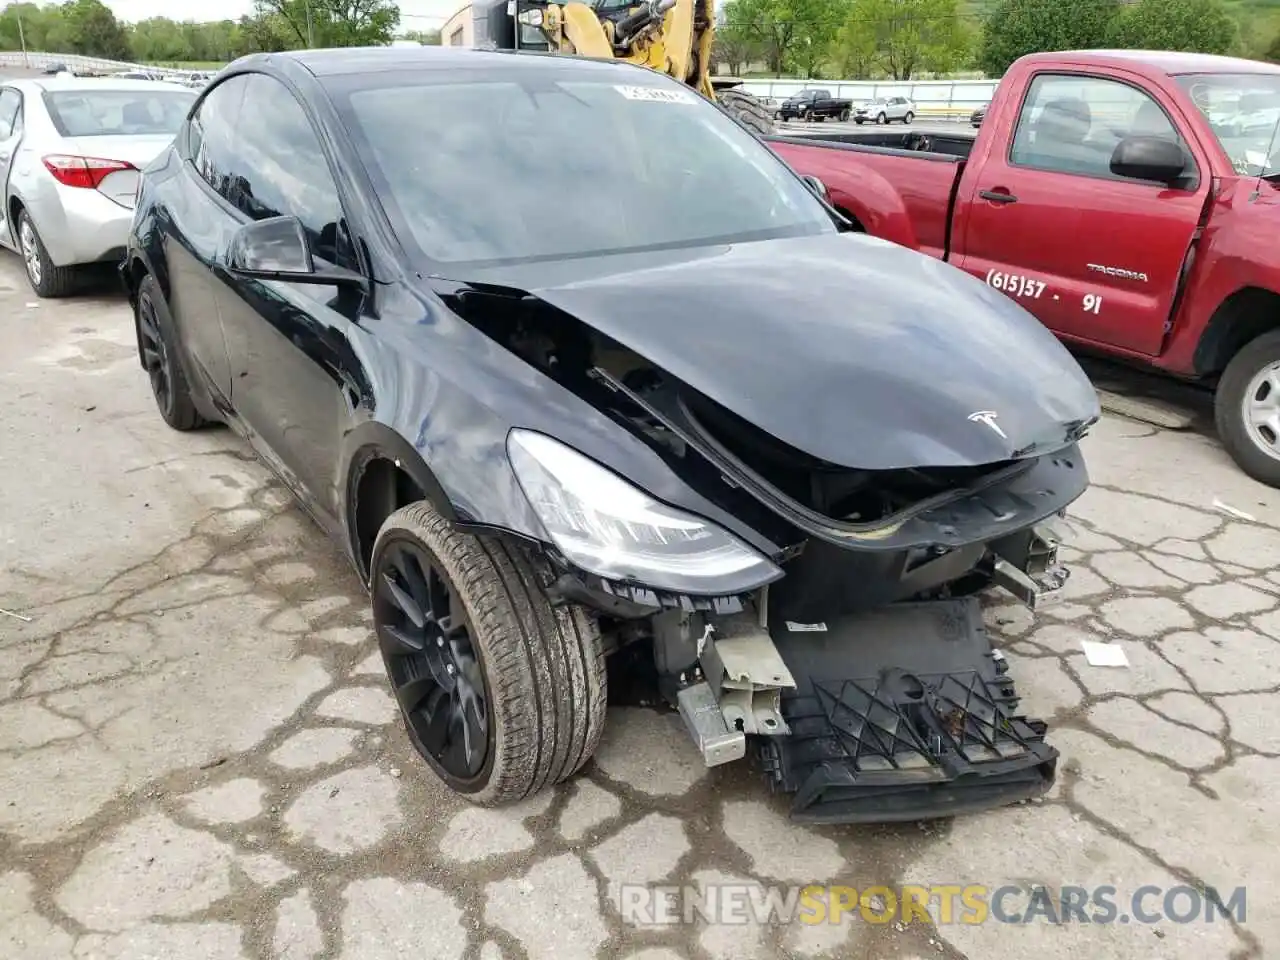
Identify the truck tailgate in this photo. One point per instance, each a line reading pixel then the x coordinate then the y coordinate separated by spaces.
pixel 901 195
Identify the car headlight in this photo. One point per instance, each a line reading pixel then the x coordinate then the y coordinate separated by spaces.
pixel 606 526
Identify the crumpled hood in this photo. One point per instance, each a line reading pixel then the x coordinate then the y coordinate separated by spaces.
pixel 849 348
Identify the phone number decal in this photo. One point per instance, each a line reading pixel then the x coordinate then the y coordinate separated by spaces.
pixel 1015 284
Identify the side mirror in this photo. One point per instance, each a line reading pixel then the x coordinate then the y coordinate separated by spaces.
pixel 277 249
pixel 1149 158
pixel 817 186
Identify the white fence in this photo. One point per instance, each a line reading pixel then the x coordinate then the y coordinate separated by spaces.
pixel 934 99
pixel 75 62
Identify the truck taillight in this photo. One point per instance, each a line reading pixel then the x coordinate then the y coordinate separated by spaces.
pixel 86 172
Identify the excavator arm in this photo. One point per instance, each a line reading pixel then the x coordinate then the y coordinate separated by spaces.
pixel 671 36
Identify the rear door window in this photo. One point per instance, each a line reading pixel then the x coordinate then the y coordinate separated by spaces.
pixel 10 103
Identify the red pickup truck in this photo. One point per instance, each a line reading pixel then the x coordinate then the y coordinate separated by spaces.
pixel 1129 199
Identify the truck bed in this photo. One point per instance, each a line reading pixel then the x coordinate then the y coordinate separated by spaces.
pixel 900 186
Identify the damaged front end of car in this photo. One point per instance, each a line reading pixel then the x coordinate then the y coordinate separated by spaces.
pixel 852 656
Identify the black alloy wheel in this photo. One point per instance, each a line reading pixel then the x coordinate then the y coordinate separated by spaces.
pixel 155 356
pixel 159 359
pixel 433 665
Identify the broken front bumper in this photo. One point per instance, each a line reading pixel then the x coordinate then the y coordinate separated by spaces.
pixel 903 713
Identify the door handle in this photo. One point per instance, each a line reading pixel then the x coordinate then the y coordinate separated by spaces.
pixel 998 196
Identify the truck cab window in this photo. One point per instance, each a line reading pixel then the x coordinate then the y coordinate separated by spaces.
pixel 1072 124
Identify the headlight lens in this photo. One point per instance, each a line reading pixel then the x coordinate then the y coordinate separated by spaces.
pixel 608 527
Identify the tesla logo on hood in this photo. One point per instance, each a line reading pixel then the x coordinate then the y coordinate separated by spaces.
pixel 989 418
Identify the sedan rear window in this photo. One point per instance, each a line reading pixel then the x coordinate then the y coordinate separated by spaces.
pixel 115 113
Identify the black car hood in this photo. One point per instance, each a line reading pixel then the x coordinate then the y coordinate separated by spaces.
pixel 849 348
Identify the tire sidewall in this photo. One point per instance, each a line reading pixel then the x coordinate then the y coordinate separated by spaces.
pixel 1228 412
pixel 149 290
pixel 500 716
pixel 882 119
pixel 909 117
pixel 41 288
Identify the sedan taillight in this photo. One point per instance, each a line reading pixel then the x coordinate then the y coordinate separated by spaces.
pixel 86 172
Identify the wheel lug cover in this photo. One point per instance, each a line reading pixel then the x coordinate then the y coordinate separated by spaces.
pixel 439 641
pixel 449 669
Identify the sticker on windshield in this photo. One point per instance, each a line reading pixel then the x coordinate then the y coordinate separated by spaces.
pixel 655 94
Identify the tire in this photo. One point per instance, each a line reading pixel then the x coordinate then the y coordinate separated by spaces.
pixel 1247 443
pixel 160 358
pixel 542 666
pixel 859 122
pixel 882 119
pixel 748 110
pixel 47 279
pixel 908 118
pixel 845 115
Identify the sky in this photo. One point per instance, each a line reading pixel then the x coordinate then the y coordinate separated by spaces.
pixel 414 14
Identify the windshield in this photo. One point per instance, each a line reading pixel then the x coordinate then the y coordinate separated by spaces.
pixel 107 113
pixel 532 166
pixel 1243 111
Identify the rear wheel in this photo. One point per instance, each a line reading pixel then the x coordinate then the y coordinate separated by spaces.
pixel 501 692
pixel 749 111
pixel 844 115
pixel 1247 408
pixel 156 346
pixel 46 278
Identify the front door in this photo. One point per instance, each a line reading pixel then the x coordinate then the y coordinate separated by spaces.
pixel 1096 257
pixel 10 134
pixel 295 377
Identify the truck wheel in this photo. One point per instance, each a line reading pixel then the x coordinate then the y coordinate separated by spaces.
pixel 1247 408
pixel 501 692
pixel 909 117
pixel 858 121
pixel 882 119
pixel 749 111
pixel 844 115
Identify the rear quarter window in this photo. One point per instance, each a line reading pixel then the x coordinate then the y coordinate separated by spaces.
pixel 114 113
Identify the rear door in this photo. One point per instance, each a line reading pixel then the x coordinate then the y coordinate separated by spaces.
pixel 10 136
pixel 1095 256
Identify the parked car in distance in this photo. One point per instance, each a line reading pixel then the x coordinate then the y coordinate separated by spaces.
pixel 70 152
pixel 55 68
pixel 809 105
pixel 1130 200
pixel 976 118
pixel 884 110
pixel 522 424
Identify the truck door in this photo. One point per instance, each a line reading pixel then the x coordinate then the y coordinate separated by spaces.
pixel 1095 256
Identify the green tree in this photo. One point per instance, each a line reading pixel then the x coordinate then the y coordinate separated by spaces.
pixel 335 23
pixel 1202 26
pixel 93 30
pixel 778 27
pixel 1015 28
pixel 735 46
pixel 913 35
pixel 1273 51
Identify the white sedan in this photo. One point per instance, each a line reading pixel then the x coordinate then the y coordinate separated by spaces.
pixel 885 110
pixel 70 152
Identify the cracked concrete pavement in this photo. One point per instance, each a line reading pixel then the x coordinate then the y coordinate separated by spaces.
pixel 199 758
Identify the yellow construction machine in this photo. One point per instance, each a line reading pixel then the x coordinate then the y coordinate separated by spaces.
pixel 671 36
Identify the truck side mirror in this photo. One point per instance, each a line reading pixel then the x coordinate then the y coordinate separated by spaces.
pixel 1149 158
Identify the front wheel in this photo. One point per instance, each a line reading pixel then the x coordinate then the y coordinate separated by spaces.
pixel 1247 408
pixel 158 351
pixel 909 117
pixel 501 691
pixel 882 119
